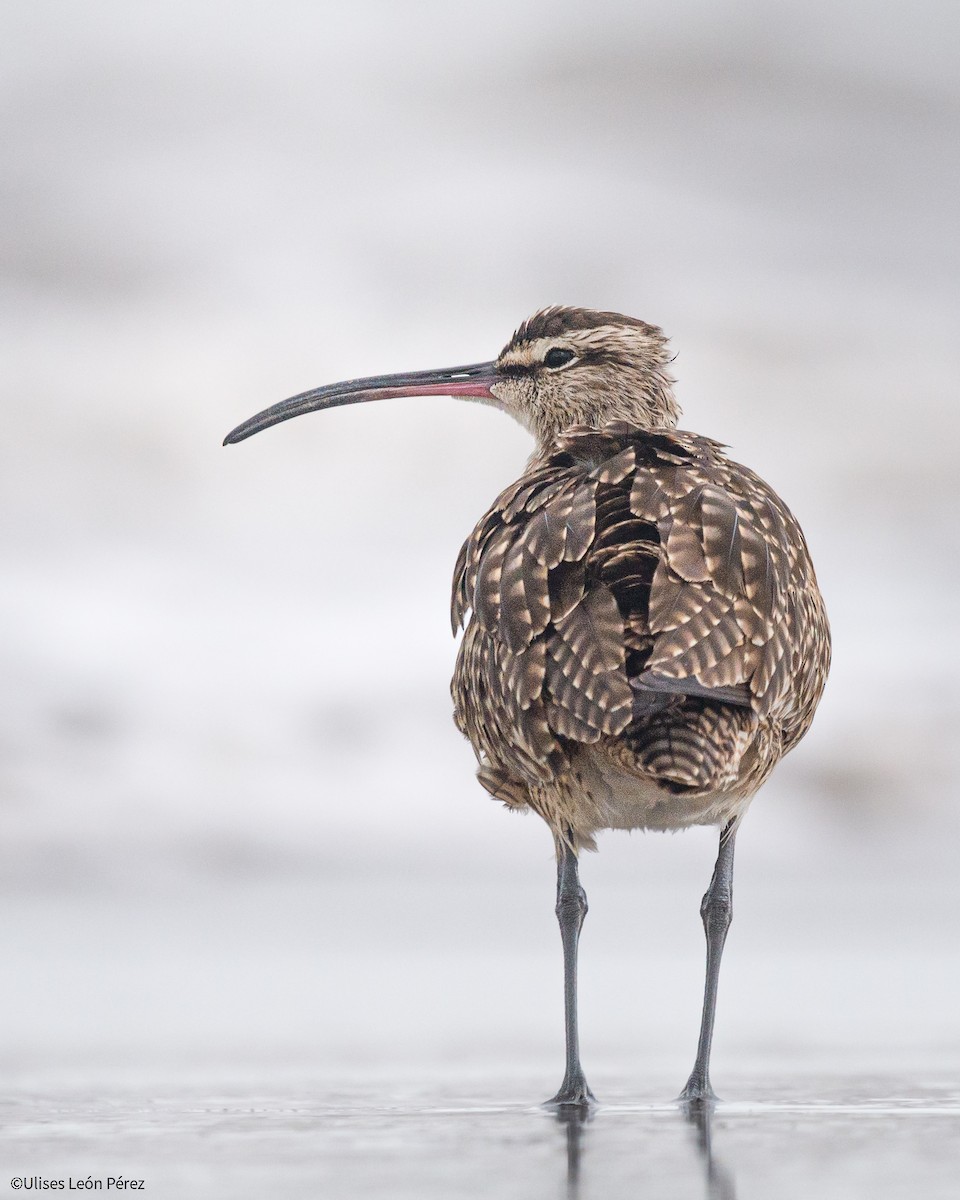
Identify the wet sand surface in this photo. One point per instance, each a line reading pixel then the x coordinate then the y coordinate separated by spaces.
pixel 831 1138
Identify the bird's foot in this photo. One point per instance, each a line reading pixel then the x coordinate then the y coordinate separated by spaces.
pixel 574 1093
pixel 698 1090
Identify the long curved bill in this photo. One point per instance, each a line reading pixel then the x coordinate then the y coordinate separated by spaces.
pixel 473 381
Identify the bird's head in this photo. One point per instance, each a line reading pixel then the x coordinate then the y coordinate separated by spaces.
pixel 563 367
pixel 576 366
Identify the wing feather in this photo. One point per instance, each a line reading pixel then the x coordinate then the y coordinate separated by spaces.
pixel 627 572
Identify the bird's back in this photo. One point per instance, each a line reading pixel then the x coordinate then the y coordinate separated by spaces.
pixel 645 637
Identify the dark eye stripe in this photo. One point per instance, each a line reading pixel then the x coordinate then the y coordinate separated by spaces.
pixel 558 357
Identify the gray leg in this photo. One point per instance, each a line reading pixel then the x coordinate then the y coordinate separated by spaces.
pixel 717 913
pixel 571 909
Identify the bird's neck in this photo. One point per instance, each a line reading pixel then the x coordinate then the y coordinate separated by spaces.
pixel 649 406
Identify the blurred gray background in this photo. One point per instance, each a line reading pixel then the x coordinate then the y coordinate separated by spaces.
pixel 238 827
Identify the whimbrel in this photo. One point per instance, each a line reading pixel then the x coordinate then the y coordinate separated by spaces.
pixel 644 636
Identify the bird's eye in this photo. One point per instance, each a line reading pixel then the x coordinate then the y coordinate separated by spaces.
pixel 558 357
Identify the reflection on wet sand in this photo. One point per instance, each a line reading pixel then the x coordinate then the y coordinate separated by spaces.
pixel 574 1119
pixel 719 1180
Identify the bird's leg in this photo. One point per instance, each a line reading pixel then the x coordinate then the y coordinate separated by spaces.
pixel 571 909
pixel 717 913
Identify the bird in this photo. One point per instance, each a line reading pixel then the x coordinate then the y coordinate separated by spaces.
pixel 644 637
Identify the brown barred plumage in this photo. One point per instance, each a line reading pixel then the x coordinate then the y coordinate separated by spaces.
pixel 640 609
pixel 644 636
